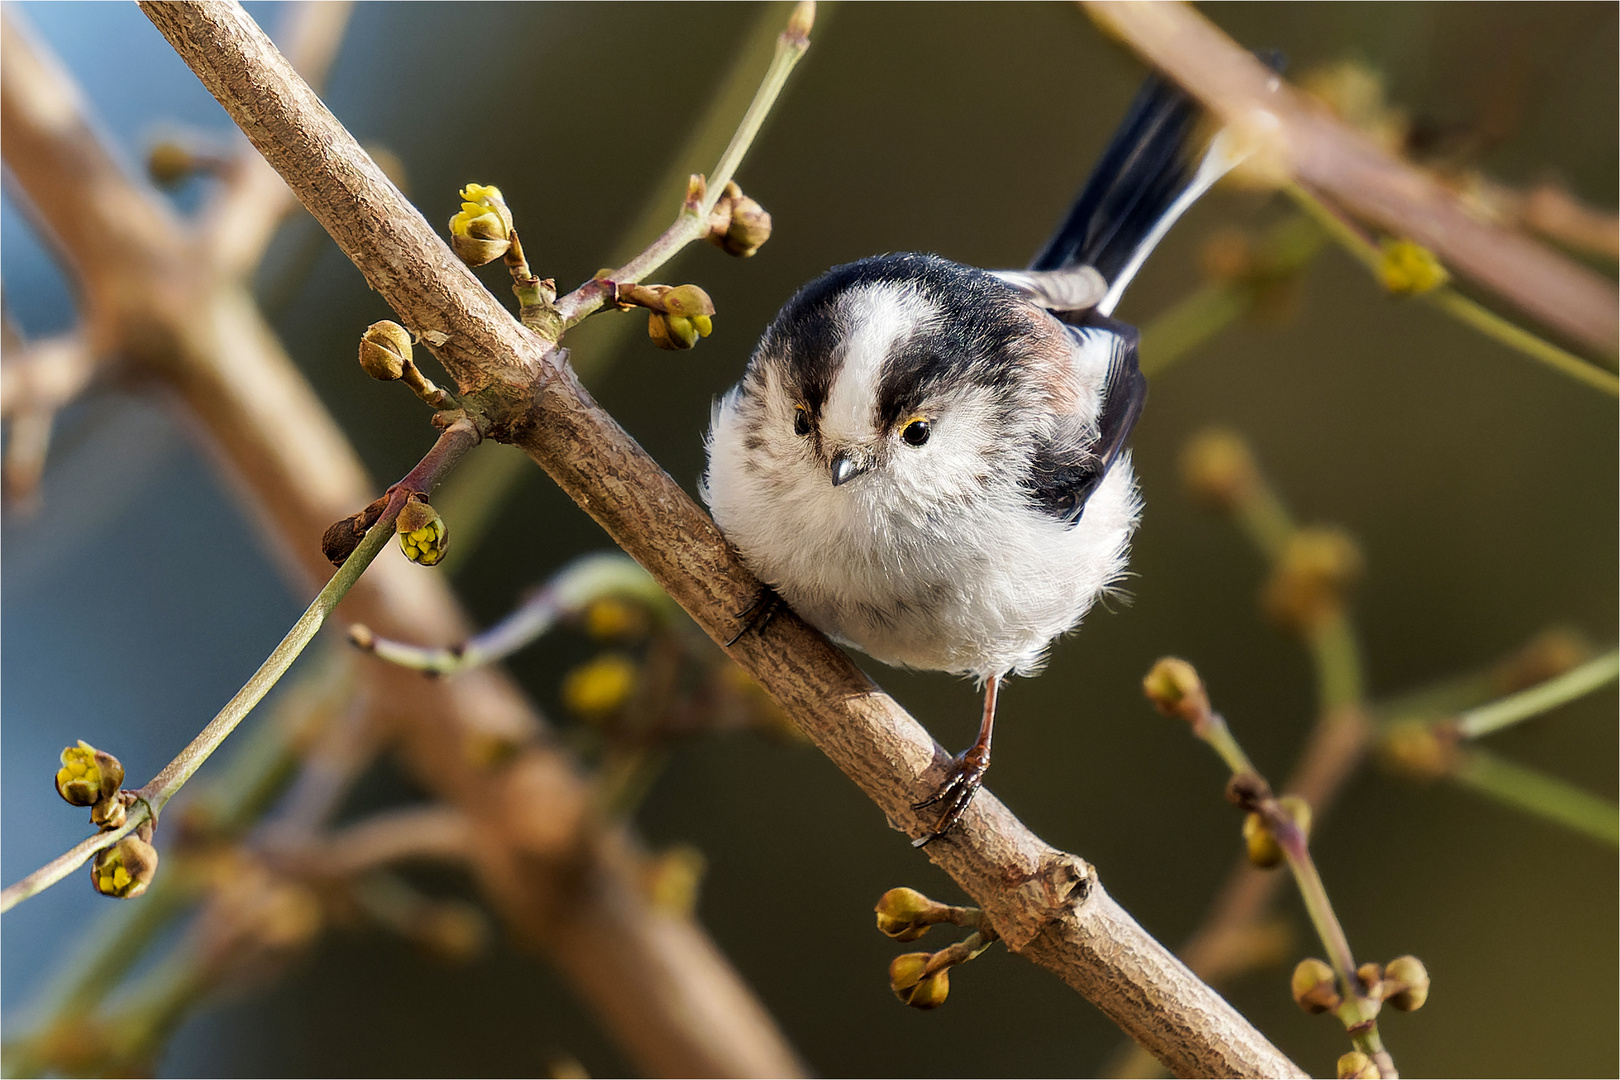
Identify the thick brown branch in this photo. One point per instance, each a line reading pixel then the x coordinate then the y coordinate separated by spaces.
pixel 1332 158
pixel 562 880
pixel 1045 903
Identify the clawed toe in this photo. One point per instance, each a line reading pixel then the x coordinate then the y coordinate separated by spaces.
pixel 964 781
pixel 758 614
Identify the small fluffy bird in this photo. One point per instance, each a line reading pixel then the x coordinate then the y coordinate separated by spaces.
pixel 928 461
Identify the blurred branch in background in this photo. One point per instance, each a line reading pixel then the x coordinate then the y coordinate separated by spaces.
pixel 1061 916
pixel 562 878
pixel 1289 138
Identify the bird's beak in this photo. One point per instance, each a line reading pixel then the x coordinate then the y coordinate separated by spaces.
pixel 846 467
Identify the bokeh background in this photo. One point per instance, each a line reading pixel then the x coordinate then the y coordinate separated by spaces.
pixel 1482 488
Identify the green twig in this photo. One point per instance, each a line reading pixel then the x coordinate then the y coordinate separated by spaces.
pixel 1545 796
pixel 456 440
pixel 1457 305
pixel 693 220
pixel 1510 710
pixel 567 594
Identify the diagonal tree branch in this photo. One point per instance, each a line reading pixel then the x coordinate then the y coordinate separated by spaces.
pixel 563 880
pixel 1047 904
pixel 1302 139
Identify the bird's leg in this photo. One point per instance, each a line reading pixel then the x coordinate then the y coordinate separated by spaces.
pixel 967 774
pixel 758 614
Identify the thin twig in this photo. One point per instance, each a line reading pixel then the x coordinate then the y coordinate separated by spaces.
pixel 693 219
pixel 1514 708
pixel 1046 904
pixel 1457 305
pixel 156 793
pixel 1293 136
pixel 566 595
pixel 1534 792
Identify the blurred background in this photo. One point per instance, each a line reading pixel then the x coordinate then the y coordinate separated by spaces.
pixel 1480 486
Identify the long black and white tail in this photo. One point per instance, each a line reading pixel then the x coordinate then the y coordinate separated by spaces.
pixel 1152 171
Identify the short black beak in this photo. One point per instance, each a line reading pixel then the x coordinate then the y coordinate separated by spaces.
pixel 845 468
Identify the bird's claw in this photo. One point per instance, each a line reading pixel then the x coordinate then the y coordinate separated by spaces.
pixel 963 782
pixel 758 614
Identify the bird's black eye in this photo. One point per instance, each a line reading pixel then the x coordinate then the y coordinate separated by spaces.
pixel 801 420
pixel 916 433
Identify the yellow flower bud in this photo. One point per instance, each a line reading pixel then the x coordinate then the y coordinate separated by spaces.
pixel 125 869
pixel 611 618
pixel 481 232
pixel 906 914
pixel 1263 849
pixel 599 688
pixel 1174 688
pixel 1409 980
pixel 1357 1066
pixel 1314 986
pixel 672 879
pixel 88 775
pixel 1218 470
pixel 385 350
pixel 677 332
pixel 1409 269
pixel 911 984
pixel 422 534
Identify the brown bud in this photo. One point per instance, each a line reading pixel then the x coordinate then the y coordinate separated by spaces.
pixel 1357 1066
pixel 1419 750
pixel 1310 580
pixel 1314 987
pixel 1174 688
pixel 422 535
pixel 1408 982
pixel 385 350
pixel 738 226
pixel 112 810
pixel 168 163
pixel 126 869
pixel 1218 470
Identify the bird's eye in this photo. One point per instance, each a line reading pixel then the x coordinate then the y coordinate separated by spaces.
pixel 916 433
pixel 801 420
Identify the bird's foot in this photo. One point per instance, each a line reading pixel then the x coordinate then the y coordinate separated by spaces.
pixel 963 782
pixel 758 614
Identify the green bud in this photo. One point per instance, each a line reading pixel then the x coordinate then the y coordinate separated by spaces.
pixel 687 300
pixel 422 534
pixel 385 350
pixel 1314 986
pixel 1174 688
pixel 904 914
pixel 1262 846
pixel 1409 980
pixel 914 985
pixel 1357 1066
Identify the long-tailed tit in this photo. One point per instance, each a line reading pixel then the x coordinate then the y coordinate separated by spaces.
pixel 927 460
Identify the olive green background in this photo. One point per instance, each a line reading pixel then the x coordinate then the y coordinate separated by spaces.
pixel 1481 486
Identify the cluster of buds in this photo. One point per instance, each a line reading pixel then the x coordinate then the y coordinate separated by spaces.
pixel 676 315
pixel 920 979
pixel 126 869
pixel 1403 984
pixel 386 354
pixel 738 225
pixel 1261 842
pixel 482 231
pixel 422 535
pixel 1312 576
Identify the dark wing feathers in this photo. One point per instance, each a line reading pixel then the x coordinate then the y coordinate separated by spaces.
pixel 1073 456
